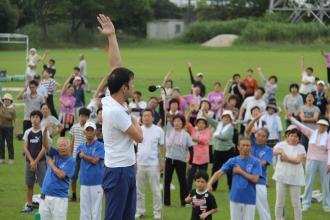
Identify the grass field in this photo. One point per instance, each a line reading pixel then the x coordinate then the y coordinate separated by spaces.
pixel 150 63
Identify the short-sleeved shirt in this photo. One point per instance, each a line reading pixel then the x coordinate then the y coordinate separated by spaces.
pixel 235 91
pixel 293 103
pixel 79 94
pixel 53 185
pixel 50 85
pixel 262 153
pixel 177 144
pixel 148 150
pixel 288 173
pixel 70 101
pixel 309 113
pixel 118 145
pixel 242 190
pixel 41 90
pixel 91 174
pixel 202 202
pixel 83 67
pixel 304 89
pixel 320 101
pixel 251 102
pixel 327 56
pixel 77 131
pixel 250 86
pixel 274 125
pixel 34 140
pixel 216 99
pixel 32 103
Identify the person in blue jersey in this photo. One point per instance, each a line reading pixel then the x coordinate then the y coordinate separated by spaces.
pixel 90 156
pixel 264 153
pixel 54 192
pixel 246 171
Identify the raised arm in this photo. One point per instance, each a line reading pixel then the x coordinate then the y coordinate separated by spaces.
pixel 67 82
pixel 248 129
pixel 21 93
pixel 304 129
pixel 261 76
pixel 192 80
pixel 107 28
pixel 166 77
pixel 226 91
pixel 302 64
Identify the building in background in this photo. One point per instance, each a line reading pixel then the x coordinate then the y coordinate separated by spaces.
pixel 165 29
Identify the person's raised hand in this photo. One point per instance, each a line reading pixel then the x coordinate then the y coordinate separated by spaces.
pixel 189 63
pixel 107 28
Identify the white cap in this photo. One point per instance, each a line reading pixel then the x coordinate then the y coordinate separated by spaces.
pixel 8 96
pixel 199 74
pixel 323 122
pixel 33 49
pixel 77 78
pixel 228 112
pixel 89 124
pixel 291 127
pixel 321 82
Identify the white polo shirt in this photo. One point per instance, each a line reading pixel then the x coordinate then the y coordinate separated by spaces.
pixel 118 146
pixel 251 102
pixel 148 150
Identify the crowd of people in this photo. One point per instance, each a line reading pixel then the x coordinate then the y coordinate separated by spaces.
pixel 117 144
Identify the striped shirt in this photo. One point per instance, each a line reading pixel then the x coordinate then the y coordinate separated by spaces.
pixel 77 133
pixel 50 85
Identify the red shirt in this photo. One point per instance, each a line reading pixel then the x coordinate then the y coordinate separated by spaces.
pixel 250 86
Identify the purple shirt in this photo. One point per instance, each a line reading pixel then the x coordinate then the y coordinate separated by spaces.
pixel 216 99
pixel 327 56
pixel 189 99
pixel 70 100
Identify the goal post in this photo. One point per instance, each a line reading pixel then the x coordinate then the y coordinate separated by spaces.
pixel 13 38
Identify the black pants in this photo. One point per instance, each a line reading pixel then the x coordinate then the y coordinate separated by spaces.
pixel 50 103
pixel 180 168
pixel 220 158
pixel 192 172
pixel 7 136
pixel 328 73
pixel 26 125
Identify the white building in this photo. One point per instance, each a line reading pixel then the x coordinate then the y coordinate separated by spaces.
pixel 165 29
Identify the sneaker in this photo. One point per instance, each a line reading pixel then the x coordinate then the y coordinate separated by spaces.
pixel 2 161
pixel 137 215
pixel 304 209
pixel 74 197
pixel 187 206
pixel 157 216
pixel 11 162
pixel 27 209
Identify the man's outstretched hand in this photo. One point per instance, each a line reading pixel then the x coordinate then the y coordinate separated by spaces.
pixel 107 27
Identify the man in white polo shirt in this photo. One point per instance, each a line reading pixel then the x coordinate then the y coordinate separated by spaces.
pixel 148 164
pixel 120 130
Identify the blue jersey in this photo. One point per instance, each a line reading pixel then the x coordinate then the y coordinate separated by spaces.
pixel 53 185
pixel 242 190
pixel 91 174
pixel 262 153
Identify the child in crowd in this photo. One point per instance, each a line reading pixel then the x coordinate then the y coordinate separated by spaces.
pixel 98 124
pixel 51 87
pixel 270 86
pixel 203 202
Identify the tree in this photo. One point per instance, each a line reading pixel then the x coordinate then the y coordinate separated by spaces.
pixel 8 16
pixel 165 9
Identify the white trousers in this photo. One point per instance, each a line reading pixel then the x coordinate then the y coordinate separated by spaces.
pixel 262 202
pixel 240 211
pixel 281 191
pixel 149 174
pixel 53 208
pixel 91 202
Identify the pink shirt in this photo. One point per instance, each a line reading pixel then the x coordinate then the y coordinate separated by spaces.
pixel 201 149
pixel 315 151
pixel 327 56
pixel 70 100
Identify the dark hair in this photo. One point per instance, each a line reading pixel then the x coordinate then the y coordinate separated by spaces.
pixel 76 68
pixel 181 117
pixel 50 70
pixel 244 138
pixel 147 110
pixel 310 93
pixel 43 104
pixel 254 108
pixel 293 131
pixel 119 77
pixel 310 69
pixel 293 85
pixel 201 174
pixel 33 82
pixel 138 93
pixel 171 81
pixel 84 111
pixel 153 97
pixel 200 105
pixel 250 70
pixel 233 97
pixel 101 96
pixel 52 60
pixel 98 110
pixel 273 77
pixel 235 75
pixel 36 113
pixel 261 89
pixel 217 83
pixel 174 101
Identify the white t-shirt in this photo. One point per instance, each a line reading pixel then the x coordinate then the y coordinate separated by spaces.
pixel 142 105
pixel 148 153
pixel 304 89
pixel 41 90
pixel 118 146
pixel 83 68
pixel 288 173
pixel 273 124
pixel 251 102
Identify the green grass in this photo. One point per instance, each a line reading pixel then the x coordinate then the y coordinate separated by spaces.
pixel 151 63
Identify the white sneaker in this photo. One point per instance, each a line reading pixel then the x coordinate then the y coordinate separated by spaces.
pixel 157 216
pixel 304 209
pixel 137 215
pixel 2 161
